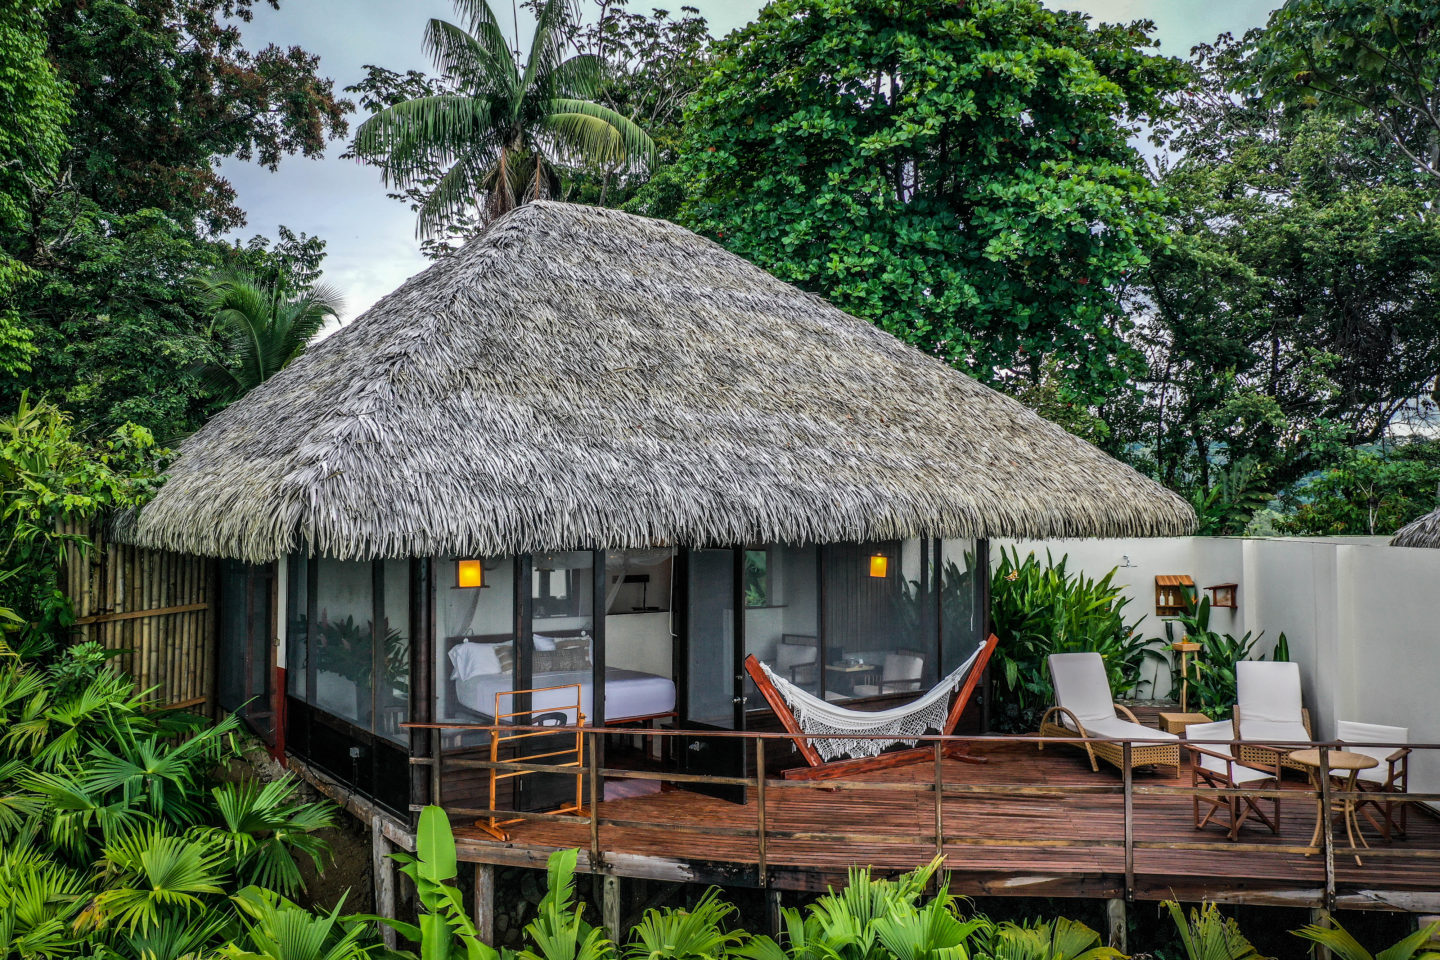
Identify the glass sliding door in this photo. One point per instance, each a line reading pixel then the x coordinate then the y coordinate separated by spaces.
pixel 782 614
pixel 879 618
pixel 474 637
pixel 247 630
pixel 711 667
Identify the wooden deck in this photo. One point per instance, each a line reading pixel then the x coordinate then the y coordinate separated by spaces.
pixel 1025 823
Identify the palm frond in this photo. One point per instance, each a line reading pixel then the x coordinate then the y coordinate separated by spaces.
pixel 474 63
pixel 405 140
pixel 547 44
pixel 598 134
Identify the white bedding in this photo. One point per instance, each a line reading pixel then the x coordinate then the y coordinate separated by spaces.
pixel 628 693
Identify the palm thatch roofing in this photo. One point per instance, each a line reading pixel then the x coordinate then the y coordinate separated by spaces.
pixel 1424 532
pixel 582 378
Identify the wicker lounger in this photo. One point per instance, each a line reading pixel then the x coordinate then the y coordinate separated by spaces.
pixel 1079 680
pixel 1268 711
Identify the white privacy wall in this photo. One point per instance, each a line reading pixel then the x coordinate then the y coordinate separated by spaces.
pixel 1362 617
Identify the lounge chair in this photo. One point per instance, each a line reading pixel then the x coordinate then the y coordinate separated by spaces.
pixel 1384 782
pixel 1084 706
pixel 1215 767
pixel 1268 711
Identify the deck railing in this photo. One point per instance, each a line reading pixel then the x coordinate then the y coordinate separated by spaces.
pixel 1108 782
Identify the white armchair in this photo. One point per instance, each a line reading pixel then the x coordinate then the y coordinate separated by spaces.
pixel 901 673
pixel 1385 781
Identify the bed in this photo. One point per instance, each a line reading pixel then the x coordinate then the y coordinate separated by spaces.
pixel 481 668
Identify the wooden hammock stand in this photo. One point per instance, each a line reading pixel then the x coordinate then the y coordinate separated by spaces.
pixel 819 769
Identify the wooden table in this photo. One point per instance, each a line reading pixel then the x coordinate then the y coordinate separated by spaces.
pixel 1177 722
pixel 1349 765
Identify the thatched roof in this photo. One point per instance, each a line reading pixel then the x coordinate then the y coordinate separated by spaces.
pixel 581 378
pixel 1424 532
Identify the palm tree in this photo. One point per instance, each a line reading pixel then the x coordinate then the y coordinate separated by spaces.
pixel 262 326
pixel 499 134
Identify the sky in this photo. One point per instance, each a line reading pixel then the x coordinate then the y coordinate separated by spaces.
pixel 371 245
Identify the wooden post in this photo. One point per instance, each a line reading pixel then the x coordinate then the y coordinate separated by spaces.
pixel 485 902
pixel 761 868
pixel 1116 924
pixel 1128 777
pixel 1320 916
pixel 610 906
pixel 773 917
pixel 939 799
pixel 383 870
pixel 1328 835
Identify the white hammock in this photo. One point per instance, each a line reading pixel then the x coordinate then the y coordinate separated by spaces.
pixel 904 724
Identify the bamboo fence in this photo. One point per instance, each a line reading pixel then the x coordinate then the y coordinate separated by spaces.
pixel 155 606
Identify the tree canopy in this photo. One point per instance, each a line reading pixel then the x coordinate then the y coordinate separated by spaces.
pixel 961 175
pixel 1294 303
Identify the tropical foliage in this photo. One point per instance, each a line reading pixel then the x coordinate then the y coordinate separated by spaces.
pixel 492 135
pixel 48 475
pixel 116 841
pixel 1037 609
pixel 1211 669
pixel 1289 313
pixel 960 175
pixel 260 328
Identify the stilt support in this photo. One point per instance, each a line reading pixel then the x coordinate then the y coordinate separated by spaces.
pixel 772 912
pixel 610 906
pixel 1115 922
pixel 383 871
pixel 1320 917
pixel 485 902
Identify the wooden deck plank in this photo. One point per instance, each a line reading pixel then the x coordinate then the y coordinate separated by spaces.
pixel 1060 845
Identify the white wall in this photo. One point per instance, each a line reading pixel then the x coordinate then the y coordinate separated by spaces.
pixel 1362 617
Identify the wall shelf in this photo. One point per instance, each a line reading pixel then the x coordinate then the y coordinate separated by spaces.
pixel 1174 593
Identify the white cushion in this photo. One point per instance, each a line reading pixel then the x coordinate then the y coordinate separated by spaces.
pixel 473 660
pixel 1239 773
pixel 1113 728
pixel 1081 686
pixel 1354 734
pixel 1222 730
pixel 903 666
pixel 1268 691
pixel 1272 731
pixel 544 642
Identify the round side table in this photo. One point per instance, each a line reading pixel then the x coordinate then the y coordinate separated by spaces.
pixel 1348 765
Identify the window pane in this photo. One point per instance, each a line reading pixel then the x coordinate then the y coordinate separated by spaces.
pixel 879 618
pixel 712 638
pixel 475 631
pixel 343 648
pixel 784 632
pixel 392 694
pixel 296 622
pixel 961 612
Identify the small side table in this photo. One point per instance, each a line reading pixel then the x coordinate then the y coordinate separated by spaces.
pixel 1177 722
pixel 1348 765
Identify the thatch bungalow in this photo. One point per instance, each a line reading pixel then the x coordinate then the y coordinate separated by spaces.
pixel 595 448
pixel 1424 532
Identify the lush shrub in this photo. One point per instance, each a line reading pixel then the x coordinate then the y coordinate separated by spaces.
pixel 1038 609
pixel 1212 667
pixel 116 842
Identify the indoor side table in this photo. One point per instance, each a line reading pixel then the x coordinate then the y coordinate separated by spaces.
pixel 1348 765
pixel 1177 722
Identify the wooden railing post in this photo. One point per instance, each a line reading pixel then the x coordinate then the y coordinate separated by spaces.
pixel 1328 835
pixel 939 799
pixel 761 868
pixel 593 770
pixel 1128 776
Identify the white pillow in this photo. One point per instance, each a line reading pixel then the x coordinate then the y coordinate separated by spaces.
pixel 473 660
pixel 544 642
